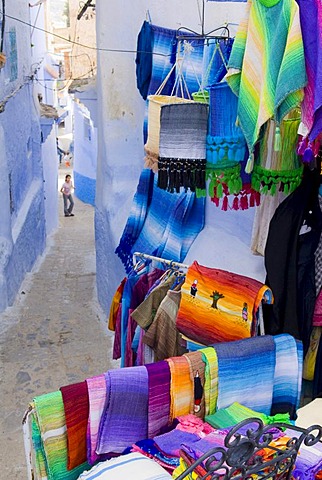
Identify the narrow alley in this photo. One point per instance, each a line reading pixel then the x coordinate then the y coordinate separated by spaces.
pixel 55 333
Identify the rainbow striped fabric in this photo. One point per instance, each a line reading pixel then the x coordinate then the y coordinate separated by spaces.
pixel 266 69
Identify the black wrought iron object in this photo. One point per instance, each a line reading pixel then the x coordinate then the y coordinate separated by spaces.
pixel 242 454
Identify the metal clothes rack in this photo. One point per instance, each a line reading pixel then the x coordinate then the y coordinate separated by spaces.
pixel 202 35
pixel 171 263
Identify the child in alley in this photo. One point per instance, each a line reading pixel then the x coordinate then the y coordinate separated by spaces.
pixel 66 190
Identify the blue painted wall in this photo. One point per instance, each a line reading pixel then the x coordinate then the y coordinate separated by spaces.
pixel 85 188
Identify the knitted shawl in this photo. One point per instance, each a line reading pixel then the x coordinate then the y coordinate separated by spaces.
pixel 266 69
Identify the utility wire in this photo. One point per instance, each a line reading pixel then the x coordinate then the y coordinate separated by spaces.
pixel 116 50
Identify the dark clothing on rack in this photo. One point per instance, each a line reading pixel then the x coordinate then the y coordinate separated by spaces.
pixel 289 261
pixel 144 59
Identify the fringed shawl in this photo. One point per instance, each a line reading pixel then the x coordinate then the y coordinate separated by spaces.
pixel 266 68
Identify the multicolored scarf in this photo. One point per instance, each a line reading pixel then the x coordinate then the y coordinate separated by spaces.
pixel 181 387
pixel 50 418
pixel 218 306
pixel 287 376
pixel 76 407
pixel 269 88
pixel 159 397
pixel 246 373
pixel 197 376
pixel 311 26
pixel 125 417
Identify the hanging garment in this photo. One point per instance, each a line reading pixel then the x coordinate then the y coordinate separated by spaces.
pixel 221 308
pixel 162 336
pixel 76 407
pixel 144 59
pixel 226 145
pixel 216 54
pixel 116 300
pixel 281 170
pixel 49 412
pixel 269 88
pixel 317 316
pixel 159 397
pixel 128 392
pixel 287 246
pixel 246 373
pixel 311 26
pixel 182 149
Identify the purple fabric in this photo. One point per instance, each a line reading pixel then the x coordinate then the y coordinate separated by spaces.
pixel 311 26
pixel 125 417
pixel 171 442
pixel 308 461
pixel 159 397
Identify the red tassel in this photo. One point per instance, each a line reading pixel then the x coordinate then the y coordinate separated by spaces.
pixel 257 198
pixel 244 202
pixel 215 200
pixel 235 204
pixel 225 204
pixel 252 199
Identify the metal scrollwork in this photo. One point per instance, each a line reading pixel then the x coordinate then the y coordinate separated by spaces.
pixel 241 458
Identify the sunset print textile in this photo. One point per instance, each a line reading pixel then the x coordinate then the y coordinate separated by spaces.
pixel 219 306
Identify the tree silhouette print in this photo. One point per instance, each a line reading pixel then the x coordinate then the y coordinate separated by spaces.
pixel 216 296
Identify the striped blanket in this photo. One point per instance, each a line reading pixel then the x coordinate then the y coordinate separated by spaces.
pixel 287 375
pixel 49 437
pixel 211 379
pixel 218 306
pixel 246 373
pixel 97 397
pixel 273 86
pixel 125 417
pixel 181 387
pixel 159 397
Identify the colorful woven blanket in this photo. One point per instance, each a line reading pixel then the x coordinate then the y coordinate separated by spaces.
pixel 209 356
pixel 159 397
pixel 97 397
pixel 269 88
pixel 218 306
pixel 181 387
pixel 311 25
pixel 125 417
pixel 50 417
pixel 246 373
pixel 287 375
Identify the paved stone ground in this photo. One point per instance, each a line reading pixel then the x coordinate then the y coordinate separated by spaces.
pixel 55 333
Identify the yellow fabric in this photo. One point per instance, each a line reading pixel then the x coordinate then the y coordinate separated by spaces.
pixel 310 357
pixel 113 310
pixel 181 387
pixel 209 356
pixel 181 468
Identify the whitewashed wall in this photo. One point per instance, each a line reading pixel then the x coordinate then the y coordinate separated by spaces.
pixel 225 241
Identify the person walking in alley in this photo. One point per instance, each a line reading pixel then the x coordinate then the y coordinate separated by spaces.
pixel 66 190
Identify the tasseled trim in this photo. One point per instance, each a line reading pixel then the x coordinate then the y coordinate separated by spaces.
pixel 151 160
pixel 244 199
pixel 174 173
pixel 225 151
pixel 271 181
pixel 230 177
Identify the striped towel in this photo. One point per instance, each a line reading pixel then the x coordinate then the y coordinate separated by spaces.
pixel 49 411
pixel 96 396
pixel 222 307
pixel 125 417
pixel 246 373
pixel 273 86
pixel 39 457
pixel 287 376
pixel 159 397
pixel 76 406
pixel 134 466
pixel 209 356
pixel 181 387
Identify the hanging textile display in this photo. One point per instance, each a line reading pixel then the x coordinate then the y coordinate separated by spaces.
pixel 311 26
pixel 226 150
pixel 216 54
pixel 269 88
pixel 219 306
pixel 278 169
pixel 182 152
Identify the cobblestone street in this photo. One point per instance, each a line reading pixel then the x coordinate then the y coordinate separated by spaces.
pixel 55 333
